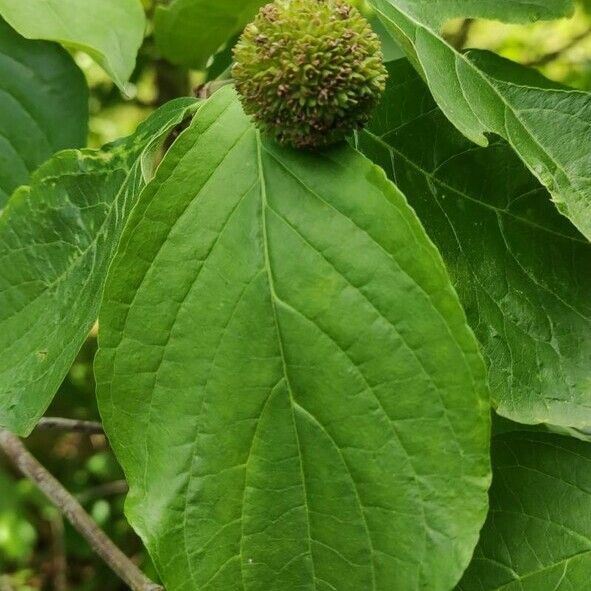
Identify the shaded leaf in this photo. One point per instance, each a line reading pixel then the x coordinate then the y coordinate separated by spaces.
pixel 537 536
pixel 522 272
pixel 286 375
pixel 110 31
pixel 57 238
pixel 547 125
pixel 43 106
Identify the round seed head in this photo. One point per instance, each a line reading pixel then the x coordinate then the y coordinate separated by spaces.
pixel 309 72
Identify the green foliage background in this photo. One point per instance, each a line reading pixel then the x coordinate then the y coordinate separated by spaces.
pixel 33 538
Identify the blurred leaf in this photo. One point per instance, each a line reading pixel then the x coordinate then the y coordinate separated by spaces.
pixel 110 31
pixel 103 465
pixel 100 512
pixel 17 535
pixel 561 49
pixel 189 32
pixel 43 106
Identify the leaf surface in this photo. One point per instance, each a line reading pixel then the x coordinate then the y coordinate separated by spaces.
pixel 43 106
pixel 548 126
pixel 537 536
pixel 522 272
pixel 286 374
pixel 57 237
pixel 189 32
pixel 110 31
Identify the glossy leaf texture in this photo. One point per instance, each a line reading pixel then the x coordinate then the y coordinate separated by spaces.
pixel 110 31
pixel 522 271
pixel 537 536
pixel 189 32
pixel 286 375
pixel 57 238
pixel 43 106
pixel 547 125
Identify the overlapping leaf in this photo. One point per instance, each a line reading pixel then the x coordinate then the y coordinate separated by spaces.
pixel 537 536
pixel 110 31
pixel 548 126
pixel 286 375
pixel 190 31
pixel 522 271
pixel 57 238
pixel 43 106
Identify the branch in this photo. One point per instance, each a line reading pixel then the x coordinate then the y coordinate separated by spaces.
pixel 459 39
pixel 75 514
pixel 204 91
pixel 58 424
pixel 117 487
pixel 59 562
pixel 554 55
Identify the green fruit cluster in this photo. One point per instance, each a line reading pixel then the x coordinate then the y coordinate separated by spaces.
pixel 309 71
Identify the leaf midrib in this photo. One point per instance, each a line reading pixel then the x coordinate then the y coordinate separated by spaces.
pixel 273 297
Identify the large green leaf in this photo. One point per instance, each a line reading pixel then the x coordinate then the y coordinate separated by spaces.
pixel 43 106
pixel 286 375
pixel 537 536
pixel 522 272
pixel 57 238
pixel 110 31
pixel 189 32
pixel 547 125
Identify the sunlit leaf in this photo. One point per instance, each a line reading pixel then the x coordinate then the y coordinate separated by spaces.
pixel 286 375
